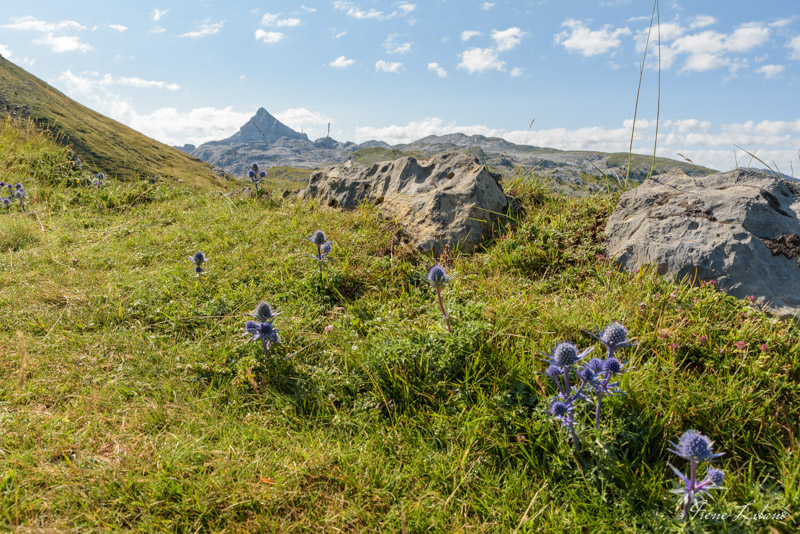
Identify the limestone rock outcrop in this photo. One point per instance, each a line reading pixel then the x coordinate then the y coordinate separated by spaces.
pixel 739 228
pixel 448 199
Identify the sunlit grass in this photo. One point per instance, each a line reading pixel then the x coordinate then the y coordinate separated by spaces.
pixel 129 398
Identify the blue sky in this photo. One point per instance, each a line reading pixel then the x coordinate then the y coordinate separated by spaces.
pixel 188 72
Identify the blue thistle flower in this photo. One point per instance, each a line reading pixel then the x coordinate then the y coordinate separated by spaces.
pixel 324 248
pixel 263 312
pixel 199 259
pixel 262 174
pixel 715 476
pixel 318 238
pixel 264 331
pixel 694 446
pixel 595 365
pixel 566 354
pixel 614 337
pixel 7 202
pixel 562 411
pixel 612 366
pixel 437 278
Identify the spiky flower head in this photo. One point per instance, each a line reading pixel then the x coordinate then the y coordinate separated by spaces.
pixel 595 365
pixel 252 175
pixel 254 167
pixel 612 366
pixel 614 334
pixel 437 277
pixel 263 312
pixel 7 202
pixel 262 174
pixel 553 371
pixel 716 476
pixel 559 409
pixel 2 184
pixel 587 375
pixel 565 354
pixel 199 258
pixel 318 238
pixel 693 445
pixel 326 248
pixel 17 186
pixel 261 330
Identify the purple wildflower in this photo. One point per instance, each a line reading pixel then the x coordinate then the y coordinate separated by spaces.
pixel 695 447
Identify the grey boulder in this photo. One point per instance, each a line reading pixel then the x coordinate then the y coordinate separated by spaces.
pixel 739 228
pixel 449 199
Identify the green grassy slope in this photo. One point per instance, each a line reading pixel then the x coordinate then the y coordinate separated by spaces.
pixel 102 144
pixel 130 401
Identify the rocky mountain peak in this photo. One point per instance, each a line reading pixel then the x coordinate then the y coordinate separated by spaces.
pixel 262 128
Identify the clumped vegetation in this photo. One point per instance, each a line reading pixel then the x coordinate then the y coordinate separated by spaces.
pixel 130 398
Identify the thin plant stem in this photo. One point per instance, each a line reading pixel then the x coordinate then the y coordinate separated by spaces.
pixel 597 410
pixel 441 307
pixel 638 90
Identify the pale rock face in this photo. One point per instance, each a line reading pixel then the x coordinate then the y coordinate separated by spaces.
pixel 448 199
pixel 740 228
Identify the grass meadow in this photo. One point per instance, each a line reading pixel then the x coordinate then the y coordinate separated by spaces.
pixel 130 399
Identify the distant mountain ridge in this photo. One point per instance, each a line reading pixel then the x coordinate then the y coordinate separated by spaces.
pixel 268 142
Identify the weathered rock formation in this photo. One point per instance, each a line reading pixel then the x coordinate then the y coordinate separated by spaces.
pixel 448 199
pixel 740 228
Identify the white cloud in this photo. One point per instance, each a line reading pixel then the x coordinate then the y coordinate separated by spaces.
pixel 308 9
pixel 579 38
pixel 118 27
pixel 270 19
pixel 34 24
pixel 158 13
pixel 480 60
pixel 314 124
pixel 701 21
pixel 782 23
pixel 439 70
pixel 342 62
pixel 507 39
pixel 705 50
pixel 516 71
pixel 486 6
pixel 139 82
pixel 340 34
pixel 771 71
pixel 5 51
pixel 206 28
pixel 747 36
pixel 94 80
pixel 698 140
pixel 466 35
pixel 354 11
pixel 268 37
pixel 64 43
pixel 385 66
pixel 156 29
pixel 794 45
pixel 393 47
